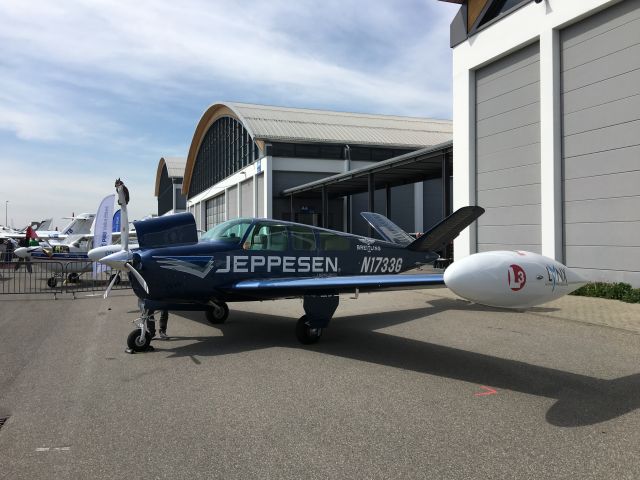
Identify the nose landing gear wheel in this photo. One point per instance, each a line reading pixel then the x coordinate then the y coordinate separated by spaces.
pixel 137 342
pixel 218 313
pixel 52 282
pixel 305 333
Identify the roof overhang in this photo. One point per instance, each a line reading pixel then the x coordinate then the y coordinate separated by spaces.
pixel 423 164
pixel 171 166
pixel 213 113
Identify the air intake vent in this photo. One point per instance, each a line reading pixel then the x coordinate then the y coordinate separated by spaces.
pixel 3 420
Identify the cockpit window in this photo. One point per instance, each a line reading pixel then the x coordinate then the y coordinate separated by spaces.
pixel 231 231
pixel 302 238
pixel 265 236
pixel 331 241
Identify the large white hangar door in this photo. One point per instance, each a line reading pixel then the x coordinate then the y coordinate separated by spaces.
pixel 246 206
pixel 260 196
pixel 601 143
pixel 508 152
pixel 232 202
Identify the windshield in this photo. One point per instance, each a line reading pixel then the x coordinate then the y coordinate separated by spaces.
pixel 231 231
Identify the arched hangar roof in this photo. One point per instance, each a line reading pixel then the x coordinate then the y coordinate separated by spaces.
pixel 300 125
pixel 175 169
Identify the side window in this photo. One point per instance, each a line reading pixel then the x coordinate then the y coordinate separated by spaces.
pixel 302 238
pixel 331 241
pixel 267 237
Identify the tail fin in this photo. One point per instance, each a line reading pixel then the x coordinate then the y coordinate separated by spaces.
pixel 387 229
pixel 448 229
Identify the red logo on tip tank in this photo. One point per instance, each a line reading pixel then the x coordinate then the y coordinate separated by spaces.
pixel 517 277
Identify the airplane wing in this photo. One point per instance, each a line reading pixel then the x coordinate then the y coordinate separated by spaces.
pixel 310 285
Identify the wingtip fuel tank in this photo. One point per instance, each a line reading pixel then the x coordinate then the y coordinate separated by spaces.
pixel 510 279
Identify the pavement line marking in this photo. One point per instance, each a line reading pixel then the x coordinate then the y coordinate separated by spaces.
pixel 54 449
pixel 487 391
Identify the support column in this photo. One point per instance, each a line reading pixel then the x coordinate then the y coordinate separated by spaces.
pixel 267 166
pixel 418 203
pixel 464 151
pixel 550 145
pixel 325 207
pixel 291 213
pixel 387 203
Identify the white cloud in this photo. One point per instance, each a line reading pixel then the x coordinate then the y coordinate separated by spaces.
pixel 93 87
pixel 179 46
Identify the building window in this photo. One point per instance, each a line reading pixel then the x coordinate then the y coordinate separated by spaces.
pixel 215 211
pixel 226 148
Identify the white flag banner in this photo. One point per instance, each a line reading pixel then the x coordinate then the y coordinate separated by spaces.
pixel 103 227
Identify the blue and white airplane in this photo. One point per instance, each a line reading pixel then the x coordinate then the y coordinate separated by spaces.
pixel 250 259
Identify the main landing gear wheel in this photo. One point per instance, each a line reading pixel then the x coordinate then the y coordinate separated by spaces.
pixel 217 313
pixel 52 282
pixel 305 333
pixel 137 342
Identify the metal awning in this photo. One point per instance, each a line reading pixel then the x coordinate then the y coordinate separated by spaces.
pixel 424 164
pixel 417 166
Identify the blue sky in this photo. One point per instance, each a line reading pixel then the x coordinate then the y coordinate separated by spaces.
pixel 94 90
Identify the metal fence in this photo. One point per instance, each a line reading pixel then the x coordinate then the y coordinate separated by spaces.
pixel 53 277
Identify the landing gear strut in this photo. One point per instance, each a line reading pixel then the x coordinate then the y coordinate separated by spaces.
pixel 139 340
pixel 319 310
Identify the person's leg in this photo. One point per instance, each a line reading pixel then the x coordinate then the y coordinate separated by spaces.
pixel 164 319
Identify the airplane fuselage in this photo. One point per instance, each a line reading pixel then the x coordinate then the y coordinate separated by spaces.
pixel 207 270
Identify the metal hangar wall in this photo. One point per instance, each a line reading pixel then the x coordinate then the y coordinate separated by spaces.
pixel 243 156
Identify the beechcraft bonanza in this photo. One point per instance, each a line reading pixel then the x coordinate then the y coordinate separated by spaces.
pixel 250 259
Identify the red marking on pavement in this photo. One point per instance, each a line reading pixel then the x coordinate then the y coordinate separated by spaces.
pixel 488 391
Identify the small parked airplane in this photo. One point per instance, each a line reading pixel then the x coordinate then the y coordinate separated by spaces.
pixel 79 225
pixel 249 259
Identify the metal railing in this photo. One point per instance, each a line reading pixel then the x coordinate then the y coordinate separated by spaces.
pixel 54 277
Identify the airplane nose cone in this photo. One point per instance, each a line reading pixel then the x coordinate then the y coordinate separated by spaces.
pixel 22 252
pixel 116 260
pixel 96 254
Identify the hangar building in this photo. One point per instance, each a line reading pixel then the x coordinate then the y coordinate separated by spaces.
pixel 169 185
pixel 243 157
pixel 547 130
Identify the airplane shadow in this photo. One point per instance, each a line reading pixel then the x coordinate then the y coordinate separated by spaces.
pixel 581 400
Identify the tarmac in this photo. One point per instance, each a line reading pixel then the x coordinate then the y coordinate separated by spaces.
pixel 409 384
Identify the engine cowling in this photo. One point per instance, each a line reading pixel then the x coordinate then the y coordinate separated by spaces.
pixel 510 279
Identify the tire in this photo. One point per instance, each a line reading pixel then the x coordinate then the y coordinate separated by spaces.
pixel 52 282
pixel 73 277
pixel 307 335
pixel 217 315
pixel 136 343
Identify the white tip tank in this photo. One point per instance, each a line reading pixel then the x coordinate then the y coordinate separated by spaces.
pixel 510 279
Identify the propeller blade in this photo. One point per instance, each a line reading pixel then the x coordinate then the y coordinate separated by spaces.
pixel 111 284
pixel 137 275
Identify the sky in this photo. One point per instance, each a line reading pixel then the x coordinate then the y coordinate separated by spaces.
pixel 94 90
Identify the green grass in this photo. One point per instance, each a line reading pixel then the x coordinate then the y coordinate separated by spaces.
pixel 614 291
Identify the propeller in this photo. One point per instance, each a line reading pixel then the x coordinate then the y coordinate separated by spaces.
pixel 121 260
